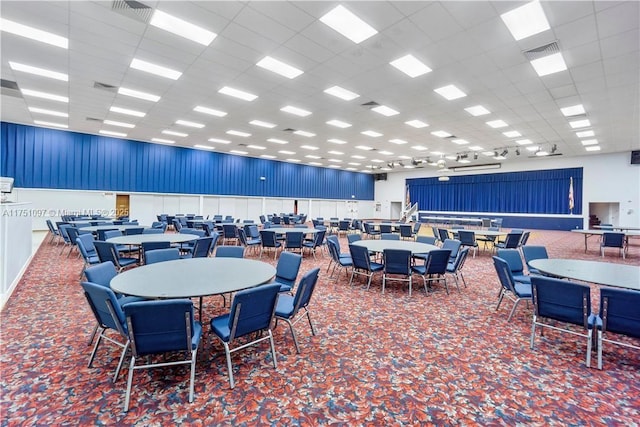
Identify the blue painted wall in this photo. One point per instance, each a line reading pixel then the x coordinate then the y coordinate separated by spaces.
pixel 48 158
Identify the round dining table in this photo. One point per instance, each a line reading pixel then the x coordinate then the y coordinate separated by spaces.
pixel 139 239
pixel 379 245
pixel 285 230
pixel 600 273
pixel 96 228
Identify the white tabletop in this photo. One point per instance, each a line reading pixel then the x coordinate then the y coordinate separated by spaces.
pixel 601 232
pixel 616 227
pixel 139 239
pixel 193 277
pixel 487 233
pixel 601 273
pixel 379 245
pixel 285 230
pixel 95 228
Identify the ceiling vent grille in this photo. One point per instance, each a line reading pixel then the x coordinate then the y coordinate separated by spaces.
pixel 370 104
pixel 10 88
pixel 133 9
pixel 542 51
pixel 288 130
pixel 104 86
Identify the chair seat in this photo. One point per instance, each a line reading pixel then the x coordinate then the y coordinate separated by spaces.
pixel 284 308
pixel 93 259
pixel 523 290
pixel 126 300
pixel 220 326
pixel 376 266
pixel 125 262
pixel 522 278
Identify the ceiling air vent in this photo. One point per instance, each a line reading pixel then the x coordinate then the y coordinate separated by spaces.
pixel 288 130
pixel 10 88
pixel 93 119
pixel 370 104
pixel 542 51
pixel 104 86
pixel 133 9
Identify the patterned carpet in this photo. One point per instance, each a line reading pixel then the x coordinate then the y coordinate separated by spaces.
pixel 376 360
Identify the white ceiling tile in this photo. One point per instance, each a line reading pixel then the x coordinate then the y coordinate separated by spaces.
pixel 618 19
pixel 436 22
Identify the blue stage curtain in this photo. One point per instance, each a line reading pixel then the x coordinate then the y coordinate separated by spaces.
pixel 533 192
pixel 48 158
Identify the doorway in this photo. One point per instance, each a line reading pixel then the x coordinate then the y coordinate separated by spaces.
pixel 396 210
pixel 606 213
pixel 122 205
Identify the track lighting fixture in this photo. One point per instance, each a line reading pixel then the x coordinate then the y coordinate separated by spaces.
pixel 504 153
pixel 414 162
pixel 517 151
pixel 475 156
pixel 554 148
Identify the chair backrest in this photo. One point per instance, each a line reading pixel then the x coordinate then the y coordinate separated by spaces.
pixel 294 239
pixel 101 274
pixel 333 252
pixel 512 240
pixel 229 231
pixel 367 227
pixel 153 231
pixel 101 234
pixel 467 238
pixel 51 227
pixel 385 228
pixel 405 230
pixel 194 231
pixel 512 257
pixel 561 300
pixel 353 238
pixel 201 247
pixel 525 238
pixel 397 261
pixel 453 245
pixel 253 232
pixel 443 234
pixel 152 246
pixel 106 252
pixel 609 240
pixel 262 219
pixel 416 227
pixel 288 267
pixel 230 252
pixel 105 307
pixel 268 238
pixel 360 257
pixel 159 326
pixel 319 238
pixel 344 225
pixel 132 231
pixel 276 219
pixel 252 310
pixel 336 243
pixel 486 222
pixel 429 240
pixel 437 261
pixel 112 233
pixel 619 311
pixel 72 232
pixel 305 289
pixel 504 274
pixel 389 236
pixel 85 246
pixel 160 255
pixel 532 252
pixel 242 236
pixel 460 259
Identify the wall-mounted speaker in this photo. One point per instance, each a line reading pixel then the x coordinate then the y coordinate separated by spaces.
pixel 380 177
pixel 635 157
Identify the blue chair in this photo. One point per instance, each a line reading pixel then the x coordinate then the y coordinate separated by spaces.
pixel 153 231
pixel 230 234
pixel 252 312
pixel 488 240
pixel 613 240
pixel 52 231
pixel 64 233
pixel 133 231
pixel 287 270
pixel 201 247
pixel 109 315
pixel 362 264
pixel 514 290
pixel 532 253
pixel 455 268
pixel 406 232
pixel 161 255
pixel 452 245
pixel 563 301
pixel 317 241
pixel 108 252
pixel 245 241
pixel 269 241
pixel 152 246
pixel 352 238
pixel 468 239
pixel 389 236
pixel 512 241
pixel 512 257
pixel 293 241
pixel 87 251
pixel 289 306
pixel 443 234
pixel 434 268
pixel 429 240
pixel 338 260
pixel 230 252
pixel 385 228
pixel 370 231
pixel 397 262
pixel 619 314
pixel 108 234
pixel 160 327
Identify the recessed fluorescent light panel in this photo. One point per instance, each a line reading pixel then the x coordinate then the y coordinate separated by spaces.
pixel 341 93
pixel 268 156
pixel 339 123
pixel 357 156
pixel 411 66
pixel 526 20
pixel 580 123
pixel 239 152
pixel 210 111
pixel 450 92
pixel 337 153
pixel 348 24
pixel 279 67
pixel 385 111
pixel 497 124
pixel 256 147
pixel 262 124
pixel 574 110
pixel 127 111
pixel 111 133
pixel 417 124
pixel 182 28
pixel 44 95
pixel 44 123
pixel 236 93
pixel 219 141
pixel 295 110
pixel 336 141
pixel 204 147
pixel 460 141
pixel 364 147
pixel 277 141
pixel 589 142
pixel 158 70
pixel 238 133
pixel 371 133
pixel 441 134
pixel 174 133
pixel 16 66
pixel 137 94
pixel 550 64
pixel 398 141
pixel 477 110
pixel 512 134
pixel 419 147
pixel 162 140
pixel 592 148
pixel 189 124
pixel 311 156
pixel 524 142
pixel 33 33
pixel 288 153
pixel 119 124
pixel 48 112
pixel 585 134
pixel 304 133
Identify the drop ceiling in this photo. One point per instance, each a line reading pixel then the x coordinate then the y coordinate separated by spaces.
pixel 464 43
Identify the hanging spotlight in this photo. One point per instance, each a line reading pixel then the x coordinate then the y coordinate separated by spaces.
pixel 414 162
pixel 391 165
pixel 401 164
pixel 475 156
pixel 517 151
pixel 504 153
pixel 554 148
